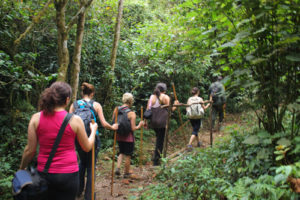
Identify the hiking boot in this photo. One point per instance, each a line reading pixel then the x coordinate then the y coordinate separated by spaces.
pixel 117 172
pixel 199 144
pixel 131 176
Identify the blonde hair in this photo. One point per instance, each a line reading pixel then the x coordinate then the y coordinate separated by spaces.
pixel 127 98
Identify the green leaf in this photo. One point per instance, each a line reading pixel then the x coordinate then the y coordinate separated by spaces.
pixel 293 58
pixel 284 141
pixel 280 157
pixel 228 44
pixel 280 178
pixel 253 139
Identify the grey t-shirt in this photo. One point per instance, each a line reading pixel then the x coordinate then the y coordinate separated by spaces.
pixel 217 91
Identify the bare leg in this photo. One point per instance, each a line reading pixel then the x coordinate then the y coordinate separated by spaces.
pixel 193 137
pixel 127 164
pixel 119 162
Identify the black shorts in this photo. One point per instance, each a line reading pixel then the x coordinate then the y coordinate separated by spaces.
pixel 126 148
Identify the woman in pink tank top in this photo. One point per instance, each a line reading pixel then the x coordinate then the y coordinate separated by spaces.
pixel 43 128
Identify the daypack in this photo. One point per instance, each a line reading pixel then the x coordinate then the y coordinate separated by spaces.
pixel 195 111
pixel 86 112
pixel 218 94
pixel 123 121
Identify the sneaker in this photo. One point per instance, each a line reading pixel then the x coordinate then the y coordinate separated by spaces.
pixel 117 172
pixel 189 147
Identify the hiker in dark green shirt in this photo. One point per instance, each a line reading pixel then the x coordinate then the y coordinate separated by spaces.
pixel 217 95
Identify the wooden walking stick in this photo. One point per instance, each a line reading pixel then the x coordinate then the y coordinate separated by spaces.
pixel 179 114
pixel 114 152
pixel 211 128
pixel 165 146
pixel 93 168
pixel 141 143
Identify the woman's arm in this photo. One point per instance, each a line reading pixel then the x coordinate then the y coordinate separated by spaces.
pixel 77 126
pixel 132 118
pixel 166 101
pixel 72 109
pixel 105 124
pixel 31 146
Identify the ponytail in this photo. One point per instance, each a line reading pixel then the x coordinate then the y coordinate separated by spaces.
pixel 156 92
pixel 160 87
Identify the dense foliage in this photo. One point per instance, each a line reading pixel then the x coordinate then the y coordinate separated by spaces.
pixel 254 44
pixel 241 165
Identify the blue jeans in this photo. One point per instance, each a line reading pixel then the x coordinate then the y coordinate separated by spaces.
pixel 85 166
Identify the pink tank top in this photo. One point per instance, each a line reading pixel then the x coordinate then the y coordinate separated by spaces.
pixel 65 159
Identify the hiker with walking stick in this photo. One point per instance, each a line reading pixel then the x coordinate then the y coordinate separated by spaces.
pixel 195 112
pixel 44 129
pixel 88 110
pixel 159 117
pixel 125 134
pixel 217 95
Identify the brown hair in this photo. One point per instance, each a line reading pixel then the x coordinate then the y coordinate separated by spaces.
pixel 87 88
pixel 55 95
pixel 160 87
pixel 195 90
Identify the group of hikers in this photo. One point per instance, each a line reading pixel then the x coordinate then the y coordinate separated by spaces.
pixel 65 177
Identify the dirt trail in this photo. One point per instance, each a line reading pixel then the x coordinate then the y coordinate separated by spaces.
pixel 132 189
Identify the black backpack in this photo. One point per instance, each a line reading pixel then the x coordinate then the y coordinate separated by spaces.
pixel 86 112
pixel 123 121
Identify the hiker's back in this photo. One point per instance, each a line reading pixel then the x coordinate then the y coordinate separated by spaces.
pixel 218 93
pixel 84 109
pixel 123 121
pixel 195 110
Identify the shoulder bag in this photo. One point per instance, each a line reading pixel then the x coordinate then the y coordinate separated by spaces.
pixel 28 184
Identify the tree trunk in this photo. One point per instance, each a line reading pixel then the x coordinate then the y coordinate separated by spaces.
pixel 62 37
pixel 77 54
pixel 115 48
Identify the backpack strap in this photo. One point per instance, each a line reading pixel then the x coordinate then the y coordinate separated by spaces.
pixel 57 141
pixel 91 107
pixel 124 108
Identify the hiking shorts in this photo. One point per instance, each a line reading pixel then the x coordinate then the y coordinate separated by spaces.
pixel 126 148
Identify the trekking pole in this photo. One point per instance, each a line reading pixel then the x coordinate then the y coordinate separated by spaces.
pixel 165 144
pixel 179 114
pixel 141 143
pixel 114 151
pixel 211 131
pixel 93 168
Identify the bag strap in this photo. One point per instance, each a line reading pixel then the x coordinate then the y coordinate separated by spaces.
pixel 57 141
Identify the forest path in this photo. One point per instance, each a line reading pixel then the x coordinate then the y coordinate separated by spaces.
pixel 132 189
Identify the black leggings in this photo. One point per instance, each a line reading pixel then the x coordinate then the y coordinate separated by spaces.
pixel 62 186
pixel 196 124
pixel 160 136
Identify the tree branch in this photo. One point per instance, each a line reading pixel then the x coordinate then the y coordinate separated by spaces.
pixel 35 20
pixel 75 17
